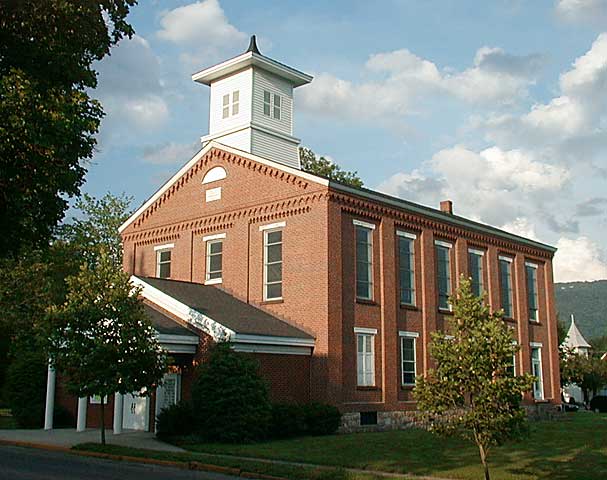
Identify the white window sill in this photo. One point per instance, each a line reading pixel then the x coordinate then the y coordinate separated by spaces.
pixel 213 281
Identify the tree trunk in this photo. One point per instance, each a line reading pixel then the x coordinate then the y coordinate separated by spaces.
pixel 102 420
pixel 483 454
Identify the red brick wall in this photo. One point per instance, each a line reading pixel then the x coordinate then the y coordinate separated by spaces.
pixel 319 271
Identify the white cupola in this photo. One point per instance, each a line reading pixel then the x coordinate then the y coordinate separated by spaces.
pixel 251 105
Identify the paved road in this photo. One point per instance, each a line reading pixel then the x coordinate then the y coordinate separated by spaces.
pixel 18 463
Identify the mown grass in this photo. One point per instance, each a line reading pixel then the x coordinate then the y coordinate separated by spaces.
pixel 572 448
pixel 292 472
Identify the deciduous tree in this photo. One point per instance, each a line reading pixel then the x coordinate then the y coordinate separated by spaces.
pixel 100 340
pixel 471 391
pixel 324 167
pixel 48 121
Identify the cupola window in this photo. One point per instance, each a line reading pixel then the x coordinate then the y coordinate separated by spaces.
pixel 272 104
pixel 233 105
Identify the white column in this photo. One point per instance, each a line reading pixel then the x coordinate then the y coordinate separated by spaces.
pixel 118 406
pixel 81 424
pixel 50 398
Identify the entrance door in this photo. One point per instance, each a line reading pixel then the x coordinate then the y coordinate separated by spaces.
pixel 169 392
pixel 135 413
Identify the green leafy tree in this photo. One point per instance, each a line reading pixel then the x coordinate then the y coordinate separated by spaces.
pixel 587 372
pixel 230 398
pixel 95 227
pixel 324 167
pixel 471 393
pixel 100 340
pixel 48 121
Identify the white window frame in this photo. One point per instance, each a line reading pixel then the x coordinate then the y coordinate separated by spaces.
pixel 210 240
pixel 361 369
pixel 408 335
pixel 229 106
pixel 267 229
pixel 449 246
pixel 538 386
pixel 510 299
pixel 478 253
pixel 272 106
pixel 235 102
pixel 158 250
pixel 368 227
pixel 534 267
pixel 411 237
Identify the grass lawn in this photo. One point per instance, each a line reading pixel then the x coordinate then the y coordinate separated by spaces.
pixel 575 447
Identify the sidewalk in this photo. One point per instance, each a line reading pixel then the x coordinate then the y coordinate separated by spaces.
pixel 68 437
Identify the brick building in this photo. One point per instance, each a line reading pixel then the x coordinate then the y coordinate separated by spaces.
pixel 334 289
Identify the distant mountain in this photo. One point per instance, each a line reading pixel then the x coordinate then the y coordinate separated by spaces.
pixel 588 303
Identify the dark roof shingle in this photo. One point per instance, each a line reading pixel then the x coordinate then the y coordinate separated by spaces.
pixel 226 309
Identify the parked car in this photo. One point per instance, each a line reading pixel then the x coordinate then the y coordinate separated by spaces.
pixel 570 407
pixel 599 404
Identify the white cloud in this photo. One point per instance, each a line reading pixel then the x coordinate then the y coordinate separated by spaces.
pixel 521 226
pixel 170 153
pixel 202 27
pixel 493 186
pixel 401 81
pixel 592 11
pixel 579 259
pixel 130 88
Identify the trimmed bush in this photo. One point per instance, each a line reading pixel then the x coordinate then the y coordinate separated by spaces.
pixel 26 386
pixel 321 419
pixel 290 420
pixel 176 420
pixel 229 397
pixel 63 418
pixel 287 421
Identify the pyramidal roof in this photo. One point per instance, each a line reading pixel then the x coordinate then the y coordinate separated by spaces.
pixel 574 338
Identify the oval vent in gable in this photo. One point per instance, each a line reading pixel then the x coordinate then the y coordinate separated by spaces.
pixel 214 174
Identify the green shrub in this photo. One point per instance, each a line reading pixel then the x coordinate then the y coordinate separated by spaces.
pixel 63 418
pixel 26 386
pixel 287 421
pixel 176 420
pixel 290 420
pixel 321 419
pixel 229 397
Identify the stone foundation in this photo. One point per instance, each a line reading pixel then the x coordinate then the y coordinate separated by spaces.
pixel 400 420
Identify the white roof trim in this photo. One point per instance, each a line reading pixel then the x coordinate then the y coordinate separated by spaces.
pixel 273 349
pixel 180 339
pixel 368 331
pixel 251 59
pixel 271 226
pixel 213 328
pixel 164 247
pixel 217 236
pixel 360 223
pixel 216 330
pixel 213 144
pixel 403 333
pixel 409 235
pixel 272 340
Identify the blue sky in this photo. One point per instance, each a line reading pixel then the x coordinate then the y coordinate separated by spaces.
pixel 500 106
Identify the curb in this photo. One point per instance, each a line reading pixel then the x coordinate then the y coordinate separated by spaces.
pixel 191 465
